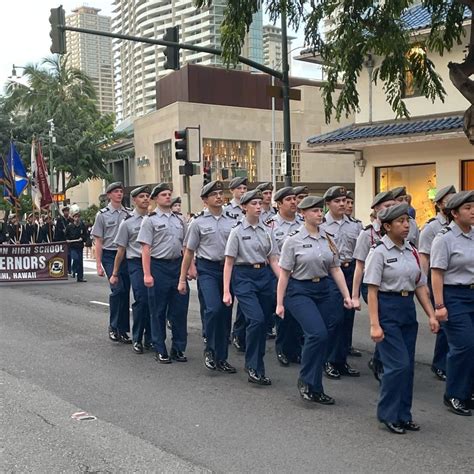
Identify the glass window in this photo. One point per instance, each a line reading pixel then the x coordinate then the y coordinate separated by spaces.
pixel 467 174
pixel 420 181
pixel 230 158
pixel 163 156
pixel 295 161
pixel 409 89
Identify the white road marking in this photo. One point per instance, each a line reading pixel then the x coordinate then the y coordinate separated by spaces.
pixel 99 302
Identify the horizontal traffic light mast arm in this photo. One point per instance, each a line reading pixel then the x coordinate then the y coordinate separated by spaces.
pixel 191 47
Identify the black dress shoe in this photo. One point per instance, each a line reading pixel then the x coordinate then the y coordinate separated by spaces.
pixel 162 358
pixel 410 425
pixel 209 361
pixel 81 280
pixel 137 348
pixel 224 366
pixel 322 398
pixel 271 334
pixel 178 356
pixel 353 352
pixel 236 343
pixel 283 359
pixel 347 370
pixel 376 368
pixel 258 379
pixel 457 406
pixel 148 346
pixel 305 391
pixel 470 403
pixel 113 335
pixel 124 338
pixel 440 374
pixel 395 428
pixel 331 371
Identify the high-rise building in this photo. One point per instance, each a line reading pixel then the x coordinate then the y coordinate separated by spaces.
pixel 272 56
pixel 137 65
pixel 92 54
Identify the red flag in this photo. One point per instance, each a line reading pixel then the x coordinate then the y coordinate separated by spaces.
pixel 42 179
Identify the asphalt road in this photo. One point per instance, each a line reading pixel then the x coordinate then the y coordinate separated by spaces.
pixel 56 360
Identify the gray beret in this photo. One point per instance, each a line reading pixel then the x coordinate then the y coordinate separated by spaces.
pixel 141 189
pixel 176 200
pixel 384 196
pixel 236 182
pixel 249 195
pixel 335 192
pixel 265 187
pixel 458 199
pixel 350 195
pixel 393 212
pixel 160 188
pixel 210 187
pixel 309 202
pixel 283 193
pixel 112 186
pixel 399 192
pixel 301 190
pixel 441 194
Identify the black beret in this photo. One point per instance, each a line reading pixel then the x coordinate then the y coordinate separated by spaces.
pixel 393 212
pixel 301 190
pixel 160 188
pixel 265 187
pixel 210 187
pixel 335 192
pixel 309 202
pixel 384 196
pixel 458 199
pixel 441 194
pixel 236 182
pixel 112 186
pixel 141 189
pixel 249 195
pixel 399 192
pixel 176 200
pixel 283 193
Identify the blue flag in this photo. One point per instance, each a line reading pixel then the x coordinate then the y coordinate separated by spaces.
pixel 17 170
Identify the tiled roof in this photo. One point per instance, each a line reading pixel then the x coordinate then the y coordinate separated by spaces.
pixel 389 129
pixel 418 17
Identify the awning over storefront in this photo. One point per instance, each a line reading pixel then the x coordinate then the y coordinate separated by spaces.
pixel 358 136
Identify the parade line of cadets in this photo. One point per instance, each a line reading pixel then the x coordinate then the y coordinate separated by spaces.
pixel 304 268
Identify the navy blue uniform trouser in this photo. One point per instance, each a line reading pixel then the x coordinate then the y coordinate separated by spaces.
pixel 342 339
pixel 397 317
pixel 201 308
pixel 364 290
pixel 459 328
pixel 312 305
pixel 441 345
pixel 165 301
pixel 239 328
pixel 217 315
pixel 77 262
pixel 140 310
pixel 119 299
pixel 254 290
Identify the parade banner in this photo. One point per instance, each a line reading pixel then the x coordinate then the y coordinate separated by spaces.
pixel 33 262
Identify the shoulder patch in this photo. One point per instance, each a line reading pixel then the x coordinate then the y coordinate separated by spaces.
pixel 232 216
pixel 377 243
pixel 128 209
pixel 127 217
pixel 199 214
pixel 270 220
pixel 353 219
pixel 445 230
pixel 369 226
pixel 237 223
pixel 431 220
pixel 294 232
pixel 152 213
pixel 327 233
pixel 104 209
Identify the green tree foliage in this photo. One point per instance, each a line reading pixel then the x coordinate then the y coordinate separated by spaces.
pixel 66 95
pixel 345 32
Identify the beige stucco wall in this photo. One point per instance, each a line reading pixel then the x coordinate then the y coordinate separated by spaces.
pixel 238 123
pixel 446 154
pixel 86 194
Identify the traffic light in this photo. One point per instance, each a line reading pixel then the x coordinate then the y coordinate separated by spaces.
pixel 188 169
pixel 57 34
pixel 181 144
pixel 172 52
pixel 206 176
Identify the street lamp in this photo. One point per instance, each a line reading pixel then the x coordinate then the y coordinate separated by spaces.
pixel 52 140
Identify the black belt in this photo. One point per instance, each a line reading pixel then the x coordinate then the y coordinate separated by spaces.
pixel 397 293
pixel 109 250
pixel 313 280
pixel 251 265
pixel 206 260
pixel 469 287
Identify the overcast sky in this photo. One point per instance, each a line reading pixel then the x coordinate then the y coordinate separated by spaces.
pixel 24 34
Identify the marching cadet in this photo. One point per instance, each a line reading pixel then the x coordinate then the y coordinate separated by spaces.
pixel 452 278
pixel 300 192
pixel 129 248
pixel 104 231
pixel 393 274
pixel 176 205
pixel 30 231
pixel 238 187
pixel 307 257
pixel 427 235
pixel 46 233
pixel 206 238
pixel 286 221
pixel 76 235
pixel 367 238
pixel 60 225
pixel 400 195
pixel 350 204
pixel 250 252
pixel 344 231
pixel 161 236
pixel 13 230
pixel 268 210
